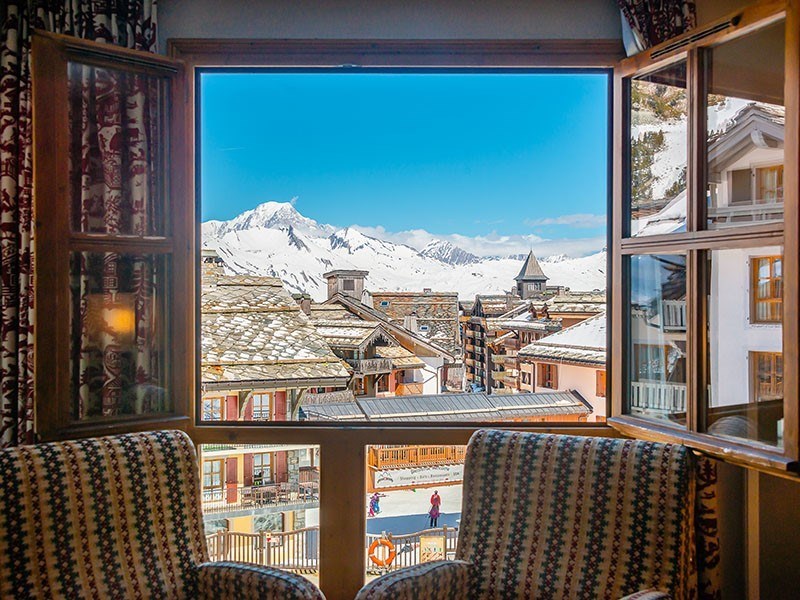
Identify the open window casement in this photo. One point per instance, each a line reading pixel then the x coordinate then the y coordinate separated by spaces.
pixel 114 230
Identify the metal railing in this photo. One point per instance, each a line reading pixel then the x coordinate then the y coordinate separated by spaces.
pixel 246 497
pixel 673 315
pixel 371 366
pixel 745 213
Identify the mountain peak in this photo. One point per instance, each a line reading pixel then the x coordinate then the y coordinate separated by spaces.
pixel 445 252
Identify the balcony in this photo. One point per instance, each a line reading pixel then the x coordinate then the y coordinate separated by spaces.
pixel 673 315
pixel 247 500
pixel 299 550
pixel 408 389
pixel 731 216
pixel 371 366
pixel 414 456
pixel 661 398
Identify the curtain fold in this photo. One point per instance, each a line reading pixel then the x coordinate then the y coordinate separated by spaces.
pixel 128 23
pixel 654 21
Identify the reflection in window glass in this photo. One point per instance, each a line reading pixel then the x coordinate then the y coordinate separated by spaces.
pixel 261 504
pixel 657 338
pixel 745 344
pixel 746 117
pixel 413 505
pixel 119 309
pixel 658 123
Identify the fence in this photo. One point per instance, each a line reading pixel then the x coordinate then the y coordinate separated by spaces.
pixel 385 457
pixel 299 550
pixel 243 497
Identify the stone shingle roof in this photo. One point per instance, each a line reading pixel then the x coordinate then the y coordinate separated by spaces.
pixel 583 343
pixel 438 311
pixel 252 330
pixel 531 270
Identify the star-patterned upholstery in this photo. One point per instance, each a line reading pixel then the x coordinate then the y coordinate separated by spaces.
pixel 117 517
pixel 552 516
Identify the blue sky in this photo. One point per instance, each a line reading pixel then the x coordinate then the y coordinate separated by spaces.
pixel 469 156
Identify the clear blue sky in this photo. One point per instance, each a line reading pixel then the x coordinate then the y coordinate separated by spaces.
pixel 471 154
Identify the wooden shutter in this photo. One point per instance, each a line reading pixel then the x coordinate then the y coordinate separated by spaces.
pixel 247 462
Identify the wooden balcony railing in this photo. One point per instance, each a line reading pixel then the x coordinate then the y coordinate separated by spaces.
pixel 299 550
pixel 371 366
pixel 408 389
pixel 393 457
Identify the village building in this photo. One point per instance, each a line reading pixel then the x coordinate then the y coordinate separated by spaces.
pixel 573 307
pixel 573 359
pixel 260 356
pixel 531 281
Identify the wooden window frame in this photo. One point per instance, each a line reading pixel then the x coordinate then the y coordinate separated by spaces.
pixel 212 488
pixel 754 371
pixel 221 400
pixel 600 383
pixel 754 279
pixel 696 241
pixel 547 375
pixel 270 405
pixel 342 447
pixel 270 467
pixel 55 240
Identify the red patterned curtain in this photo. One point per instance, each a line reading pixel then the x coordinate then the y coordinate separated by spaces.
pixel 129 23
pixel 655 21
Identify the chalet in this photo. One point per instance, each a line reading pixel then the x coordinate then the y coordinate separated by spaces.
pixel 260 355
pixel 572 307
pixel 573 359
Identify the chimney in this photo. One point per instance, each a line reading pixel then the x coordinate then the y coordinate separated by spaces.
pixel 410 322
pixel 304 302
pixel 346 282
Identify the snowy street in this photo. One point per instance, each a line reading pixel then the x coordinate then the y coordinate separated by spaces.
pixel 406 511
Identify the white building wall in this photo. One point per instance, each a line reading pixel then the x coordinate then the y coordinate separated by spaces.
pixel 430 374
pixel 584 381
pixel 733 336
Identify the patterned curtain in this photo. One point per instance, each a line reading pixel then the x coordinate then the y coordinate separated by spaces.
pixel 129 23
pixel 654 21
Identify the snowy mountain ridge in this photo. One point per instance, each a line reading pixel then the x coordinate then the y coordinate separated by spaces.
pixel 274 239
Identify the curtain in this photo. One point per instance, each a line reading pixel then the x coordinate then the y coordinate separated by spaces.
pixel 654 21
pixel 129 23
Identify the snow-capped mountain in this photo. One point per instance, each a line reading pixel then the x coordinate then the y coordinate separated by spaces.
pixel 275 239
pixel 447 253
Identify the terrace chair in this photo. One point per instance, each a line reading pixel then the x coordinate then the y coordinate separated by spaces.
pixel 117 517
pixel 551 516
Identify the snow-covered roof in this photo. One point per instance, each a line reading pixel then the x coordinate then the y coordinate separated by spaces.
pixel 253 331
pixel 452 407
pixel 436 311
pixel 583 343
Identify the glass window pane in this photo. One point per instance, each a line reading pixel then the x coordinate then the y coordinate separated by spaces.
pixel 745 395
pixel 412 505
pixel 117 151
pixel 120 342
pixel 657 338
pixel 658 141
pixel 261 505
pixel 745 79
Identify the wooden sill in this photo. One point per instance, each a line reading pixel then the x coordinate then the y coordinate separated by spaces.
pixel 761 458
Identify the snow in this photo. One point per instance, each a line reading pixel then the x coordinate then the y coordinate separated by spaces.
pixel 417 501
pixel 588 334
pixel 275 240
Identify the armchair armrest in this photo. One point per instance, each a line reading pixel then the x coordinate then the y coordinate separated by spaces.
pixel 244 581
pixel 439 580
pixel 647 595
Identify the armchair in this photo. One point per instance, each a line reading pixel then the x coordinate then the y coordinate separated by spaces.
pixel 550 516
pixel 117 517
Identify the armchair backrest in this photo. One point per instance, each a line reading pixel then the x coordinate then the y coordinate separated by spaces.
pixel 551 516
pixel 113 517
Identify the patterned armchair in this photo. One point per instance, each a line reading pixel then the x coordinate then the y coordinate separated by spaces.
pixel 550 516
pixel 117 517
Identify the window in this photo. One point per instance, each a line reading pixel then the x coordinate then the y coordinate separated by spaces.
pixel 767 289
pixel 212 409
pixel 262 468
pixel 348 285
pixel 702 267
pixel 424 327
pixel 384 303
pixel 212 480
pixel 262 407
pixel 547 375
pixel 600 377
pixel 111 252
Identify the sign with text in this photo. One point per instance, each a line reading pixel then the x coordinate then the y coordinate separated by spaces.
pixel 413 476
pixel 431 547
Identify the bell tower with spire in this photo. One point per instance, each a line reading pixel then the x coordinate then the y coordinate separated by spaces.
pixel 531 279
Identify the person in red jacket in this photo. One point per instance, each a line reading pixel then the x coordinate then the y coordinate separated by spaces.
pixel 433 513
